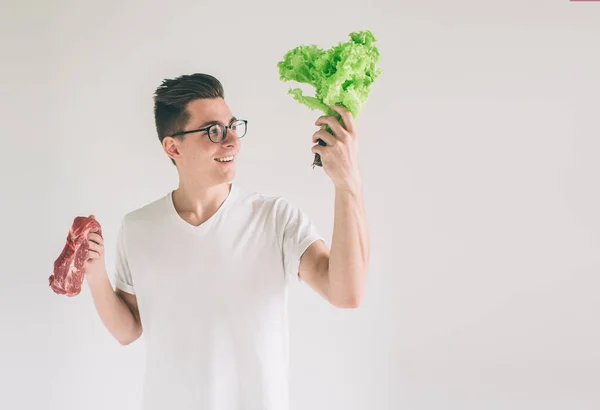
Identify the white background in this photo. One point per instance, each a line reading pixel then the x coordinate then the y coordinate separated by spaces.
pixel 479 152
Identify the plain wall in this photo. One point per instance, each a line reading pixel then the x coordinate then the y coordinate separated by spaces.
pixel 479 153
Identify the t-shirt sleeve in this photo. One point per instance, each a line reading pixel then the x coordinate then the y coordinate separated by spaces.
pixel 297 233
pixel 123 278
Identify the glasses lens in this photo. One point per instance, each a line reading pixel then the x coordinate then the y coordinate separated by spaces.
pixel 239 127
pixel 215 133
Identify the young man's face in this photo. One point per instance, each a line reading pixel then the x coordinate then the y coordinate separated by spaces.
pixel 197 154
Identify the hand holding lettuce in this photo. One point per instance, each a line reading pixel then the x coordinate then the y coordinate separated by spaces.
pixel 342 75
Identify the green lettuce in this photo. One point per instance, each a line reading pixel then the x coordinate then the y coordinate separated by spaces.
pixel 342 75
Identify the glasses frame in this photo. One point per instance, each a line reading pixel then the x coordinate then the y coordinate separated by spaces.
pixel 225 128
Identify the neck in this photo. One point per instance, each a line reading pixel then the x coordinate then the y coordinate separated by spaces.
pixel 196 202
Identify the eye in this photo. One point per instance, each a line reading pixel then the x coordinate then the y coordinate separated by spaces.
pixel 239 127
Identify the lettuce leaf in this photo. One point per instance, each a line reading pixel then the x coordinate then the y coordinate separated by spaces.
pixel 342 75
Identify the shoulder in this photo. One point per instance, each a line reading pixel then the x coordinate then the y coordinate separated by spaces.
pixel 262 202
pixel 147 214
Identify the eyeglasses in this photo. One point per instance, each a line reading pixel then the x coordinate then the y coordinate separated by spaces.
pixel 217 132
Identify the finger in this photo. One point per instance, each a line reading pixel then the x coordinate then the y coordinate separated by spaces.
pixel 95 247
pixel 338 130
pixel 319 149
pixel 92 255
pixel 325 136
pixel 94 237
pixel 347 118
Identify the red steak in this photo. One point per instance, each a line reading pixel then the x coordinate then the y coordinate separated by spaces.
pixel 69 269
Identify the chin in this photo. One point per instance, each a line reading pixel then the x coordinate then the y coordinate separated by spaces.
pixel 224 177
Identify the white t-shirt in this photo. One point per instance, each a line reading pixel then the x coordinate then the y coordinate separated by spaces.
pixel 213 300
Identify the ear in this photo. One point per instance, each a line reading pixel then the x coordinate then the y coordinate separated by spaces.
pixel 171 147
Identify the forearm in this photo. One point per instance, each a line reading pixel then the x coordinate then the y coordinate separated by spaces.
pixel 349 256
pixel 114 312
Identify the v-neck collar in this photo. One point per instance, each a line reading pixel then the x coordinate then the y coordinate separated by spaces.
pixel 204 226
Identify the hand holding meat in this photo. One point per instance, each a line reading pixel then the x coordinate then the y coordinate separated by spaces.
pixel 83 252
pixel 95 255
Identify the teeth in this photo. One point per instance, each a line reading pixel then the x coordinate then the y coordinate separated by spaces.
pixel 226 159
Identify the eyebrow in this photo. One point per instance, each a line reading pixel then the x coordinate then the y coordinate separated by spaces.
pixel 209 123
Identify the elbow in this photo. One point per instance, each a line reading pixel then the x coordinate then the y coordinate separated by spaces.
pixel 349 297
pixel 125 340
pixel 347 293
pixel 347 305
pixel 350 301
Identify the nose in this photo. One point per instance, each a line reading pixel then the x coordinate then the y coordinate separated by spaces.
pixel 231 139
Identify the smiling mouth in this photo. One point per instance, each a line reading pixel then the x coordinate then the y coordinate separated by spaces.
pixel 225 159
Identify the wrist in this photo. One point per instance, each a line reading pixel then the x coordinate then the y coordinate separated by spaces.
pixel 351 186
pixel 96 275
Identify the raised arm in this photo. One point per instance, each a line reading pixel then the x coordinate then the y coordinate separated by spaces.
pixel 339 274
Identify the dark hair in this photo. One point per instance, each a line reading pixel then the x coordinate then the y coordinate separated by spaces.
pixel 173 95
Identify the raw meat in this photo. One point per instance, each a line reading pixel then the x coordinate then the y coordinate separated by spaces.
pixel 69 268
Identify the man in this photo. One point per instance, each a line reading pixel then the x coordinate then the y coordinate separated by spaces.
pixel 204 269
